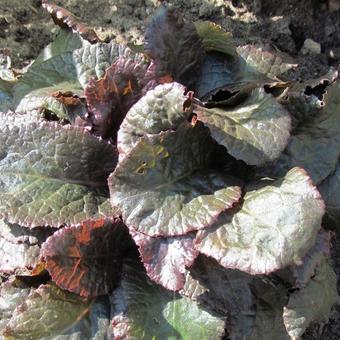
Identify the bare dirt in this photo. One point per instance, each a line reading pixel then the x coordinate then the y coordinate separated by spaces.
pixel 285 25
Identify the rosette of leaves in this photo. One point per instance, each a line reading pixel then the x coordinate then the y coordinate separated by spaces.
pixel 165 194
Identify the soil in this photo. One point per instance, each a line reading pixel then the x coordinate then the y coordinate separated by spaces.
pixel 285 25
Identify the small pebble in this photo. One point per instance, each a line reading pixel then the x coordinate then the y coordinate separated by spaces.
pixel 311 47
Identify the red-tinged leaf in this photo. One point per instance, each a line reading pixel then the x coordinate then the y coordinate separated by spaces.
pixel 110 97
pixel 63 18
pixel 87 259
pixel 166 259
pixel 175 47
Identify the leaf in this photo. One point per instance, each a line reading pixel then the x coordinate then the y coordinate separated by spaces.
pixel 53 66
pixel 227 293
pixel 151 312
pixel 330 191
pixel 46 312
pixel 12 293
pixel 298 276
pixel 63 18
pixel 166 259
pixel 316 145
pixel 215 38
pixel 270 299
pixel 312 303
pixel 92 60
pixel 86 259
pixel 52 175
pixel 175 47
pixel 275 227
pixel 20 248
pixel 265 61
pixel 110 97
pixel 161 109
pixel 164 187
pixel 45 99
pixel 255 131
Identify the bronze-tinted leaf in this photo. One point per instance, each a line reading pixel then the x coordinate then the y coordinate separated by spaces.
pixel 87 259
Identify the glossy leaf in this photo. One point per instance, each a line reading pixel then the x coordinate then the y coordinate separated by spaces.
pixel 20 248
pixel 86 259
pixel 161 109
pixel 166 259
pixel 52 175
pixel 151 312
pixel 312 303
pixel 256 131
pixel 175 47
pixel 275 227
pixel 110 97
pixel 164 186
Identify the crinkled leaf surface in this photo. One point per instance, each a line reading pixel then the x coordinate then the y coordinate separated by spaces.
pixel 330 191
pixel 175 47
pixel 20 248
pixel 166 259
pixel 164 186
pixel 215 38
pixel 312 303
pixel 86 259
pixel 256 131
pixel 315 146
pixel 55 314
pixel 46 312
pixel 265 62
pixel 52 175
pixel 275 227
pixel 12 293
pixel 93 59
pixel 161 109
pixel 151 312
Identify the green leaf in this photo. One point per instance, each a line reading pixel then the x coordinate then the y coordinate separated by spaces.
pixel 151 312
pixel 256 131
pixel 93 59
pixel 275 227
pixel 271 64
pixel 226 292
pixel 315 146
pixel 52 175
pixel 161 109
pixel 330 191
pixel 20 248
pixel 46 312
pixel 215 38
pixel 312 303
pixel 86 259
pixel 12 293
pixel 164 185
